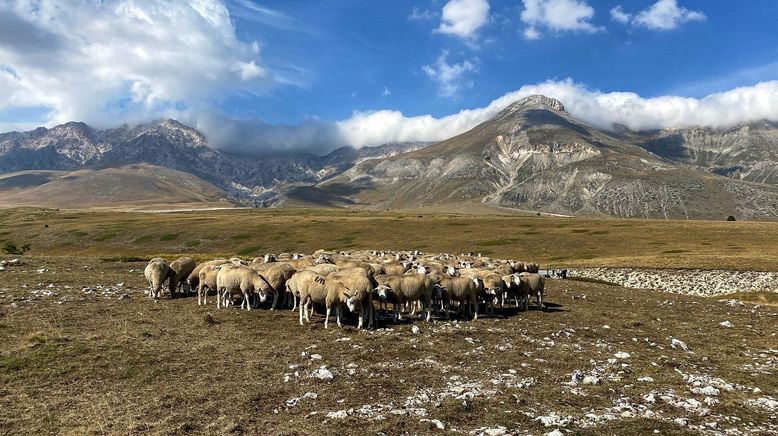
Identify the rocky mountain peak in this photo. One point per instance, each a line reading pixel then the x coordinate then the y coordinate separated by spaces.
pixel 536 101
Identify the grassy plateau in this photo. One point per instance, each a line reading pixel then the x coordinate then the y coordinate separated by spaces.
pixel 83 351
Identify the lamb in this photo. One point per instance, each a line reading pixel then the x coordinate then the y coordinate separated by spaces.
pixel 353 290
pixel 179 273
pixel 240 279
pixel 207 282
pixel 156 272
pixel 194 276
pixel 463 290
pixel 533 284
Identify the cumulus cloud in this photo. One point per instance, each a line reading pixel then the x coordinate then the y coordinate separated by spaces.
pixel 463 18
pixel 450 77
pixel 600 109
pixel 556 16
pixel 124 60
pixel 662 15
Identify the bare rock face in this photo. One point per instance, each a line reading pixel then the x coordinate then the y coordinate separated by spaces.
pixel 533 155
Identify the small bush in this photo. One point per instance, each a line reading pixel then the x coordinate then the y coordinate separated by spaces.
pixel 730 218
pixel 10 247
pixel 169 237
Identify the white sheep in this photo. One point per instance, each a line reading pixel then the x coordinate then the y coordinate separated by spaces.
pixel 156 272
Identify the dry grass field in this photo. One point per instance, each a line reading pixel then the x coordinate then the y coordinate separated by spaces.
pixel 83 351
pixel 551 241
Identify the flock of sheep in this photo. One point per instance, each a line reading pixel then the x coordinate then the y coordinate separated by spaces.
pixel 411 281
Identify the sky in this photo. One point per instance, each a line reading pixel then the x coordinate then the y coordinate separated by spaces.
pixel 259 76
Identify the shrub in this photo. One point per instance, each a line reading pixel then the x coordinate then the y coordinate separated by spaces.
pixel 11 248
pixel 730 218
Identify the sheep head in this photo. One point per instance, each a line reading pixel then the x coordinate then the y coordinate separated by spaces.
pixel 382 291
pixel 352 299
pixel 437 291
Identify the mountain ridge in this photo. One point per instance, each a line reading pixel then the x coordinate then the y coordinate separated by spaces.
pixel 531 155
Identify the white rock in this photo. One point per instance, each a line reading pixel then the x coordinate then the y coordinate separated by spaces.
pixel 416 330
pixel 315 356
pixel 681 421
pixel 322 373
pixel 340 414
pixel 726 324
pixel 591 380
pixel 622 355
pixel 675 343
pixel 646 379
pixel 555 433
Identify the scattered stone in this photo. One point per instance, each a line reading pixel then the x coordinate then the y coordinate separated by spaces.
pixel 646 379
pixel 416 330
pixel 726 324
pixel 322 373
pixel 675 343
pixel 622 355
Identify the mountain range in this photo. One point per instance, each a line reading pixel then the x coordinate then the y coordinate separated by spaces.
pixel 532 156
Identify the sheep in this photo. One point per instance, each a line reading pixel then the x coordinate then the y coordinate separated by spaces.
pixel 412 288
pixel 396 268
pixel 310 287
pixel 533 284
pixel 207 282
pixel 179 273
pixel 240 279
pixel 493 287
pixel 323 269
pixel 464 290
pixel 531 268
pixel 514 289
pixel 353 290
pixel 194 276
pixel 156 272
pixel 277 275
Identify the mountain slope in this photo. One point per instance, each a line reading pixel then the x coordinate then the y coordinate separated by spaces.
pixel 172 145
pixel 534 155
pixel 745 152
pixel 130 186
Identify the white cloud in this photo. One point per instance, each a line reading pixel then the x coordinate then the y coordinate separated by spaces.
pixel 723 109
pixel 386 92
pixel 662 15
pixel 463 18
pixel 450 77
pixel 557 16
pixel 125 60
pixel 421 15
pixel 618 14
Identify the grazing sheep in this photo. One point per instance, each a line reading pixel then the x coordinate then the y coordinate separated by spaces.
pixel 533 284
pixel 513 289
pixel 464 290
pixel 277 275
pixel 207 283
pixel 240 280
pixel 156 272
pixel 179 273
pixel 531 267
pixel 194 276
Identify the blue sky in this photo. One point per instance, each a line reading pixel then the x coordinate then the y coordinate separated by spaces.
pixel 353 50
pixel 317 74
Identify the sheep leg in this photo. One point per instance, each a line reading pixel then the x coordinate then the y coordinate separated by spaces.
pixel 275 300
pixel 361 317
pixel 475 309
pixel 338 311
pixel 327 317
pixel 294 300
pixel 540 301
pixel 302 309
pixel 247 300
